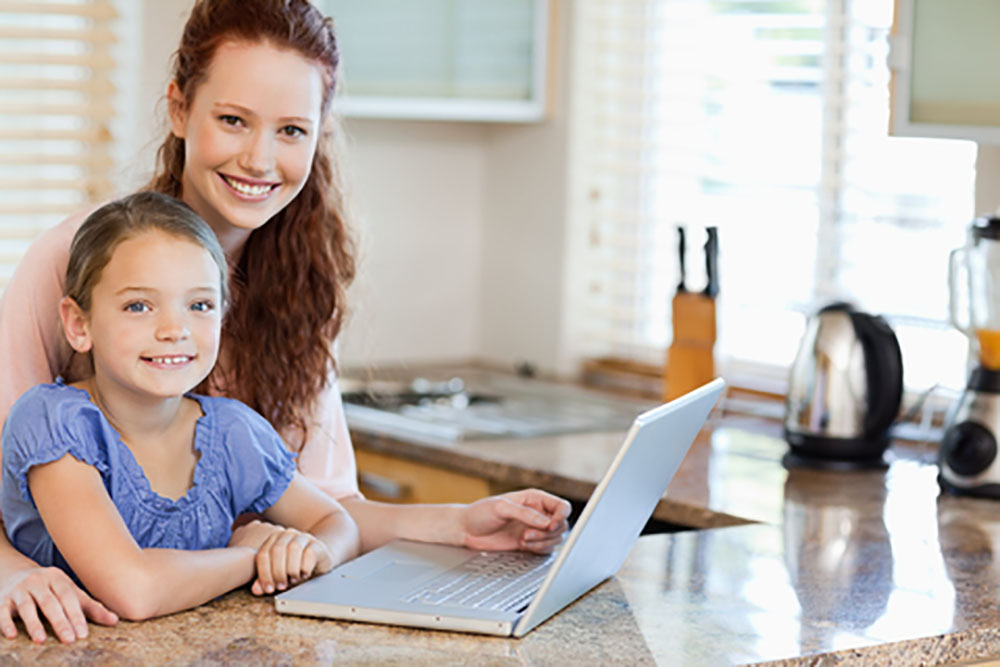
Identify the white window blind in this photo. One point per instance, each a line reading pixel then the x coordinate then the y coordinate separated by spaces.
pixel 55 111
pixel 769 121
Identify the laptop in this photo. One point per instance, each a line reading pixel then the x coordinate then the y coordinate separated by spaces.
pixel 507 593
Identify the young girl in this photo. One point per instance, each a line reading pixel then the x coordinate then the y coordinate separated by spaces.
pixel 126 480
pixel 250 150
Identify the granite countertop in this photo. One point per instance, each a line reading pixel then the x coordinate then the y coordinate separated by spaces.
pixel 789 567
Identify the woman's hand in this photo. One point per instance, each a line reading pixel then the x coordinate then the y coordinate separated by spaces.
pixel 531 520
pixel 62 602
pixel 285 556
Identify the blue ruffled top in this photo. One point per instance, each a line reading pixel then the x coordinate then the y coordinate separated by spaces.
pixel 243 467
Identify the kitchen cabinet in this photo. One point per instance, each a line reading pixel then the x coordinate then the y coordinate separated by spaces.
pixel 394 479
pixel 464 60
pixel 943 81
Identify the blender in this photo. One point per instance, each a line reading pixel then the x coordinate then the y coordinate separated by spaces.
pixel 968 459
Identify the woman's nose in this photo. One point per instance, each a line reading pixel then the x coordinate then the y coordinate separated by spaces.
pixel 258 155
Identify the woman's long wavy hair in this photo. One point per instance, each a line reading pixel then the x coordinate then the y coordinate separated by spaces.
pixel 289 284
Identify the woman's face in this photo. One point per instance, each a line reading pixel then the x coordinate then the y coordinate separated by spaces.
pixel 250 134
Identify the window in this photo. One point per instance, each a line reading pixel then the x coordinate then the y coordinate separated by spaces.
pixel 768 120
pixel 55 112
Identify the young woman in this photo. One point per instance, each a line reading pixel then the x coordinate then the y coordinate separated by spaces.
pixel 127 481
pixel 250 151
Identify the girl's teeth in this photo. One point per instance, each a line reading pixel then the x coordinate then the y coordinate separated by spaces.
pixel 247 189
pixel 168 360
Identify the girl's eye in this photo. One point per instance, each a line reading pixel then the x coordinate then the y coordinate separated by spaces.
pixel 203 306
pixel 136 307
pixel 293 131
pixel 230 119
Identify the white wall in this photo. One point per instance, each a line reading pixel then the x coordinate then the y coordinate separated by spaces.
pixel 417 194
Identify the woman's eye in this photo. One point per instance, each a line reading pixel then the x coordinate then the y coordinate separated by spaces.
pixel 203 306
pixel 230 119
pixel 293 131
pixel 136 307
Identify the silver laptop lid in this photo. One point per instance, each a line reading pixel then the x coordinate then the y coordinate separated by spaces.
pixel 622 502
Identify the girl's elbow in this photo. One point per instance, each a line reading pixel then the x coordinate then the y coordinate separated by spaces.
pixel 133 598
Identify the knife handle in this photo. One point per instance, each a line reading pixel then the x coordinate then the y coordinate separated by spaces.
pixel 681 250
pixel 712 262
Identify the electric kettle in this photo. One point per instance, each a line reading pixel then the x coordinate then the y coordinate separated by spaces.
pixel 844 391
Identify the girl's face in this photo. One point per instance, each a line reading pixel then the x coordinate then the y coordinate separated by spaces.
pixel 250 134
pixel 155 318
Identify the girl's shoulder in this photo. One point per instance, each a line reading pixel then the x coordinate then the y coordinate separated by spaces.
pixel 51 399
pixel 246 441
pixel 228 411
pixel 235 422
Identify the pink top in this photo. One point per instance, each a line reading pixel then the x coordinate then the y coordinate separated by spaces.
pixel 33 350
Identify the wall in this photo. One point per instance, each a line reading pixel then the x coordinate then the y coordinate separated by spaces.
pixel 525 237
pixel 417 195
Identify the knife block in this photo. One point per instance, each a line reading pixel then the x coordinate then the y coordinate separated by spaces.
pixel 691 356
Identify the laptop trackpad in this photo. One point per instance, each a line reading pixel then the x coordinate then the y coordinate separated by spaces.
pixel 394 571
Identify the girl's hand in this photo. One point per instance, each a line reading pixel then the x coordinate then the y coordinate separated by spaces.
pixel 253 534
pixel 531 520
pixel 287 557
pixel 63 604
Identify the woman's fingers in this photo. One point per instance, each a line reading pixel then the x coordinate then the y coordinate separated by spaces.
pixel 95 611
pixel 7 626
pixel 29 615
pixel 58 609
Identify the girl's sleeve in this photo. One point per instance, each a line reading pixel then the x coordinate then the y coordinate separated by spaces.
pixel 32 347
pixel 258 466
pixel 43 427
pixel 326 458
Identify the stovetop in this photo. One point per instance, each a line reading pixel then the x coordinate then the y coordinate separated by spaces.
pixel 476 404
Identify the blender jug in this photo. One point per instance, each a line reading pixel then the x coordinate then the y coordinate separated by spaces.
pixel 974 287
pixel 968 460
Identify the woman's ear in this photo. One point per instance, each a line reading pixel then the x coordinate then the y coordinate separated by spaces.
pixel 75 325
pixel 177 108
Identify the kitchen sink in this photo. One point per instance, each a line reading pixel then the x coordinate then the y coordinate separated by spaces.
pixel 480 404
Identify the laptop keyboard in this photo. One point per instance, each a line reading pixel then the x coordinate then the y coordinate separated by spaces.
pixel 501 580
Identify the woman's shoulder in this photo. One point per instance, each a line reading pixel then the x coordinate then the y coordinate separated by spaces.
pixel 55 241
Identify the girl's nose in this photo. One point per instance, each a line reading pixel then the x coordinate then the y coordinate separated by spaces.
pixel 172 328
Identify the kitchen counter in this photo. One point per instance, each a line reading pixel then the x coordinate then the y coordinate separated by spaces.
pixel 794 567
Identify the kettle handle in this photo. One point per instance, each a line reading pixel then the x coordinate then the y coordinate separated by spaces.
pixel 883 370
pixel 957 263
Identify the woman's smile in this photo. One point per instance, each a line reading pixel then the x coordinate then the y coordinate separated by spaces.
pixel 249 189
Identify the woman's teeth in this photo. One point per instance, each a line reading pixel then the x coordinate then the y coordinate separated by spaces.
pixel 247 189
pixel 170 360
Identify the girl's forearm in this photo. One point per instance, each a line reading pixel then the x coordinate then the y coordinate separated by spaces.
pixel 170 580
pixel 383 522
pixel 340 533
